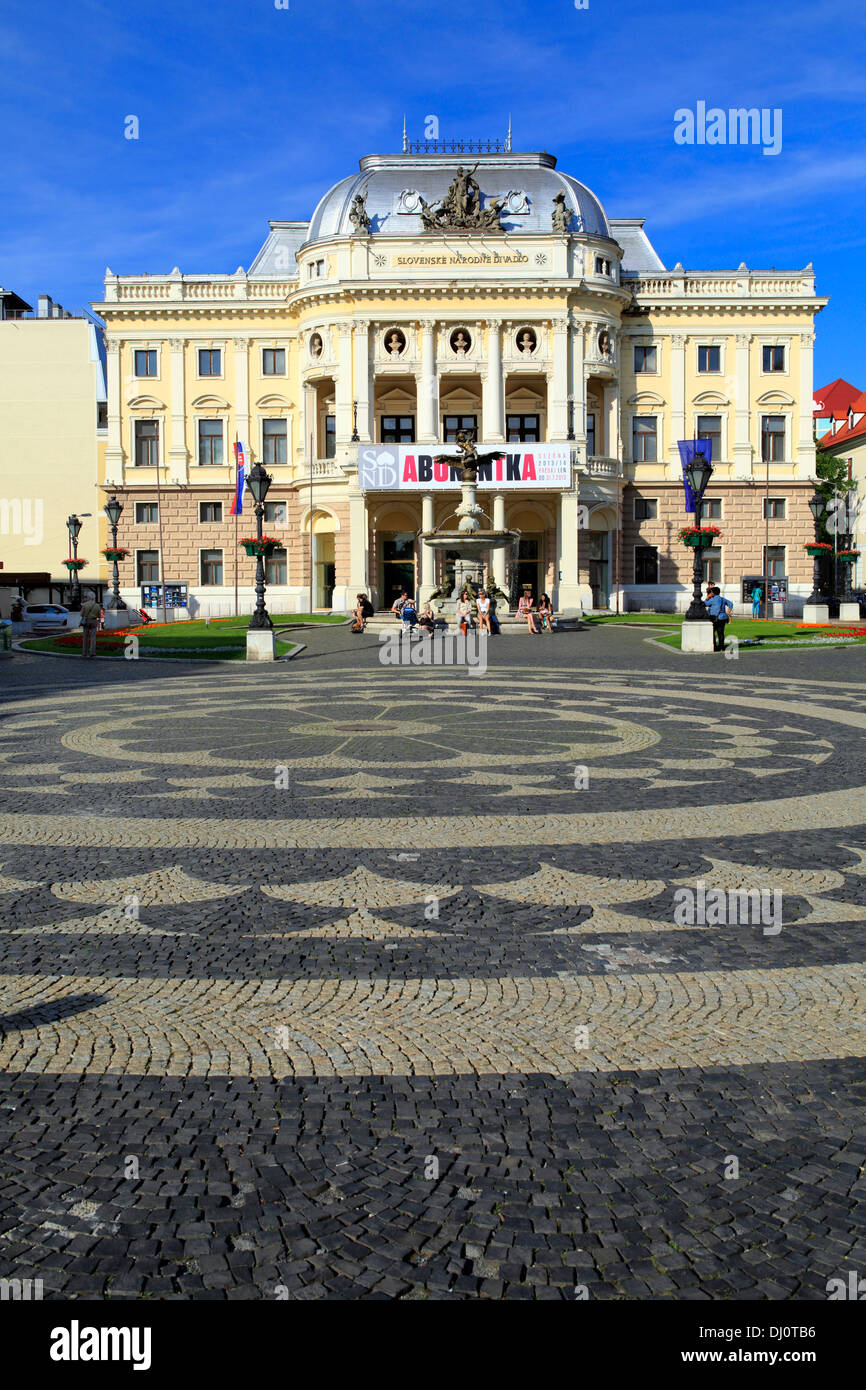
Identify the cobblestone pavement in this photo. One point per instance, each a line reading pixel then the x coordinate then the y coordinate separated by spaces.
pixel 336 980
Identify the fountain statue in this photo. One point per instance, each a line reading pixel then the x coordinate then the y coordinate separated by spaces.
pixel 469 539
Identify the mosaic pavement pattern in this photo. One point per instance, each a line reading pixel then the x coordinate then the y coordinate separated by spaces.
pixel 370 983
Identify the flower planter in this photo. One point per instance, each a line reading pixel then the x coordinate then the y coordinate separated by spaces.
pixel 264 547
pixel 848 557
pixel 118 553
pixel 700 542
pixel 816 551
pixel 75 564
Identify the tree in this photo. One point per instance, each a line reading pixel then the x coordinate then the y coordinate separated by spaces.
pixel 832 484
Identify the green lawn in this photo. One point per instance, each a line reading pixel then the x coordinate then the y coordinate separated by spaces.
pixel 751 633
pixel 220 641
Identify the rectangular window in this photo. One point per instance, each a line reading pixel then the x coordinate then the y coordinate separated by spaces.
pixel 453 424
pixel 774 359
pixel 772 438
pixel 644 439
pixel 709 359
pixel 210 442
pixel 211 562
pixel 147 567
pixel 522 429
pixel 602 267
pixel 645 509
pixel 146 443
pixel 210 511
pixel 102 415
pixel 146 514
pixel 276 566
pixel 275 441
pixel 646 359
pixel 398 429
pixel 590 433
pixel 330 437
pixel 273 362
pixel 774 562
pixel 775 508
pixel 713 565
pixel 646 564
pixel 210 362
pixel 145 362
pixel 712 509
pixel 276 514
pixel 710 427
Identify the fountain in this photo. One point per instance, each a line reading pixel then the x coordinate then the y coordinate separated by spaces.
pixel 469 539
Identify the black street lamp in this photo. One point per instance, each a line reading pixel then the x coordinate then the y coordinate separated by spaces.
pixel 356 438
pixel 698 474
pixel 816 507
pixel 570 434
pixel 258 482
pixel 73 526
pixel 112 510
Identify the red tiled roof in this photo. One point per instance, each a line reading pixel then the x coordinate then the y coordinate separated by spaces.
pixel 831 442
pixel 835 399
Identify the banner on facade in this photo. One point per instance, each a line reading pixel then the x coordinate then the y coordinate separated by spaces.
pixel 402 467
pixel 688 448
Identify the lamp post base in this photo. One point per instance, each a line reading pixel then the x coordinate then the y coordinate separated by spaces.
pixel 261 644
pixel 849 612
pixel 697 636
pixel 817 613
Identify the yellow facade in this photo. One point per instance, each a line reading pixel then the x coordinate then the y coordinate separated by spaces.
pixel 50 382
pixel 334 298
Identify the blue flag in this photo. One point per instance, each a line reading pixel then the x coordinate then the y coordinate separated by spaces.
pixel 688 448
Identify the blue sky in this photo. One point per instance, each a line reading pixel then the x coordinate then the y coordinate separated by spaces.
pixel 248 112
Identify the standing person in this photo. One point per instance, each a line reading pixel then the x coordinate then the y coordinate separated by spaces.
pixel 91 612
pixel 464 611
pixel 717 607
pixel 757 595
pixel 483 606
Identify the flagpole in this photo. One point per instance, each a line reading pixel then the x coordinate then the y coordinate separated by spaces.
pixel 311 524
pixel 235 509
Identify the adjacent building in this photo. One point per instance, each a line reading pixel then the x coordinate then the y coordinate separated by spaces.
pixel 52 426
pixel 436 290
pixel 840 412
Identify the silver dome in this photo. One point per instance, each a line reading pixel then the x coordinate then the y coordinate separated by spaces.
pixel 392 183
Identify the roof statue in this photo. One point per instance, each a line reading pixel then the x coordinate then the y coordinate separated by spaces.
pixel 469 456
pixel 358 214
pixel 461 209
pixel 561 218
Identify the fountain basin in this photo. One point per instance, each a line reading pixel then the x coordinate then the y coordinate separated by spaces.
pixel 471 545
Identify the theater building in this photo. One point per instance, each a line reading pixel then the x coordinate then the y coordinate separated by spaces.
pixel 437 290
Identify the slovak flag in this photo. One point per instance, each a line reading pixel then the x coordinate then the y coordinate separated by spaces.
pixel 243 468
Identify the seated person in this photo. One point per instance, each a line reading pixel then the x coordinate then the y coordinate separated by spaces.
pixel 408 615
pixel 464 611
pixel 397 605
pixel 524 610
pixel 545 613
pixel 483 606
pixel 427 621
pixel 362 611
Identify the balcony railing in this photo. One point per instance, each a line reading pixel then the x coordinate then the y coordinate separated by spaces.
pixel 599 467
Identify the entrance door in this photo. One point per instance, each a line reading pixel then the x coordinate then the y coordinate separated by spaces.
pixel 599 569
pixel 529 565
pixel 398 566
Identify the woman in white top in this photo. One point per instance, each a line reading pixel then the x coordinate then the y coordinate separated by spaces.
pixel 524 610
pixel 483 606
pixel 464 611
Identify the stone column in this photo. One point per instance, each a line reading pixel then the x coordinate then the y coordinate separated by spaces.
pixel 242 394
pixel 428 386
pixel 114 443
pixel 742 450
pixel 500 557
pixel 678 401
pixel 363 384
pixel 343 386
pixel 557 398
pixel 806 444
pixel 571 597
pixel 578 390
pixel 611 419
pixel 311 424
pixel 428 555
pixel 493 390
pixel 357 578
pixel 178 457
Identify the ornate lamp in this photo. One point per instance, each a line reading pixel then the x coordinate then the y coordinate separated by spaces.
pixel 698 473
pixel 258 482
pixel 113 510
pixel 73 526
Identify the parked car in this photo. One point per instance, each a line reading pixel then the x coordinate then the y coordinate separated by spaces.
pixel 49 617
